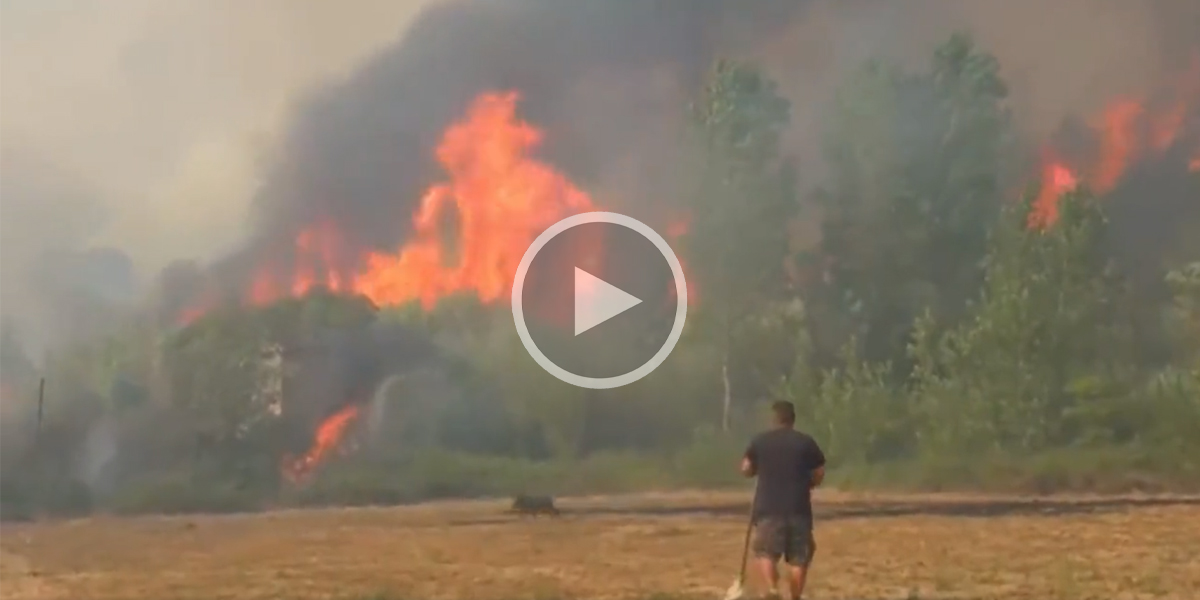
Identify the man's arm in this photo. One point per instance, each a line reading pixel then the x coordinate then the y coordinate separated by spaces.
pixel 747 467
pixel 818 472
pixel 750 461
pixel 818 475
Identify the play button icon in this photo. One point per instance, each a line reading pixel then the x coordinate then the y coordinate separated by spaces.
pixel 607 300
pixel 597 301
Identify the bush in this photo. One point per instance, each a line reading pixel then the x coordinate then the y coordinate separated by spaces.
pixel 710 460
pixel 1114 469
pixel 27 495
pixel 182 493
pixel 437 474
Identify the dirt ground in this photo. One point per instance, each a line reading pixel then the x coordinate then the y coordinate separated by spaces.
pixel 870 548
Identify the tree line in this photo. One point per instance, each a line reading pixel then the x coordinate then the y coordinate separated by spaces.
pixel 929 337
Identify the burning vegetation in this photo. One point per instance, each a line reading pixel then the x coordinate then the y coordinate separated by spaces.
pixel 906 345
pixel 327 440
pixel 1127 131
pixel 468 234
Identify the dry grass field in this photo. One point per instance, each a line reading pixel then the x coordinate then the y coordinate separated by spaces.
pixel 678 545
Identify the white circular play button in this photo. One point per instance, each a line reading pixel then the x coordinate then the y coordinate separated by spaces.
pixel 596 301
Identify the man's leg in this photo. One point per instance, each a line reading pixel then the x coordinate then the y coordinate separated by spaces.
pixel 796 579
pixel 770 572
pixel 801 547
pixel 769 544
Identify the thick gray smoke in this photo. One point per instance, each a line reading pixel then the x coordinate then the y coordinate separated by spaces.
pixel 181 139
pixel 200 89
pixel 139 125
pixel 607 80
pixel 341 367
pixel 60 286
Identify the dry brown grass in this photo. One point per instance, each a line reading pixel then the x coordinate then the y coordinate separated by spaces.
pixel 871 547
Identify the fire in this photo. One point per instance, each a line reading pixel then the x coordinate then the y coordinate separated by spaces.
pixel 500 199
pixel 1057 179
pixel 1128 131
pixel 327 439
pixel 189 314
pixel 469 234
pixel 316 260
pixel 497 198
pixel 1119 143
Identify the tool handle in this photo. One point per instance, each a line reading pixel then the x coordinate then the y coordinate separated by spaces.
pixel 746 543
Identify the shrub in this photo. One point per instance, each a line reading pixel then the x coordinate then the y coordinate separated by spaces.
pixel 182 493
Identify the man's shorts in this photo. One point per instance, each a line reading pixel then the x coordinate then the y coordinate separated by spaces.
pixel 790 538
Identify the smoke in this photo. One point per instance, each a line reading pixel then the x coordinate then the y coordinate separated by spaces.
pixel 54 285
pixel 98 452
pixel 145 139
pixel 192 129
pixel 609 81
pixel 340 367
pixel 600 77
pixel 140 125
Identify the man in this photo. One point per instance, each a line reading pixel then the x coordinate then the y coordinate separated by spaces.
pixel 788 464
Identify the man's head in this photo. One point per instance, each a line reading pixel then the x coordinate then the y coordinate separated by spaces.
pixel 783 413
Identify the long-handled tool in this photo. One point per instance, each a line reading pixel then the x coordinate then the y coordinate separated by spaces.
pixel 736 591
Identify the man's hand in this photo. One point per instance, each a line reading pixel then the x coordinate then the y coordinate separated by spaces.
pixel 747 467
pixel 818 475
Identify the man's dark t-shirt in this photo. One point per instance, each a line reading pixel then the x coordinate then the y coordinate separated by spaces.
pixel 784 460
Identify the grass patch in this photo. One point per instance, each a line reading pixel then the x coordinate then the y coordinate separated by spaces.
pixel 1097 470
pixel 472 550
pixel 707 463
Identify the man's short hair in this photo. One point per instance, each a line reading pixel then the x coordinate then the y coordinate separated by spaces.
pixel 785 412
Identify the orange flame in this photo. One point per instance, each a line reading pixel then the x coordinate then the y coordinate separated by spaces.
pixel 1119 145
pixel 328 438
pixel 468 235
pixel 1057 179
pixel 1128 132
pixel 189 314
pixel 316 255
pixel 497 199
pixel 501 200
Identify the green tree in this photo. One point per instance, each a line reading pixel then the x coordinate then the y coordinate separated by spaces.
pixel 737 242
pixel 216 368
pixel 1171 414
pixel 1045 351
pixel 1183 315
pixel 916 168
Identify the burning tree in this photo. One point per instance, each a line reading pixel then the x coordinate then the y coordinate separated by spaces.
pixel 1046 348
pixel 467 236
pixel 1126 132
pixel 229 369
pixel 1025 345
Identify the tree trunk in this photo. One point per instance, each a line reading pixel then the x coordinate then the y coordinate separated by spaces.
pixel 728 395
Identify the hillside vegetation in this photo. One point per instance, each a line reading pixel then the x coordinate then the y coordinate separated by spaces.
pixel 934 336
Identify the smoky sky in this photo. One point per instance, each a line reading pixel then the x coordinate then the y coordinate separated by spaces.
pixel 606 79
pixel 360 152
